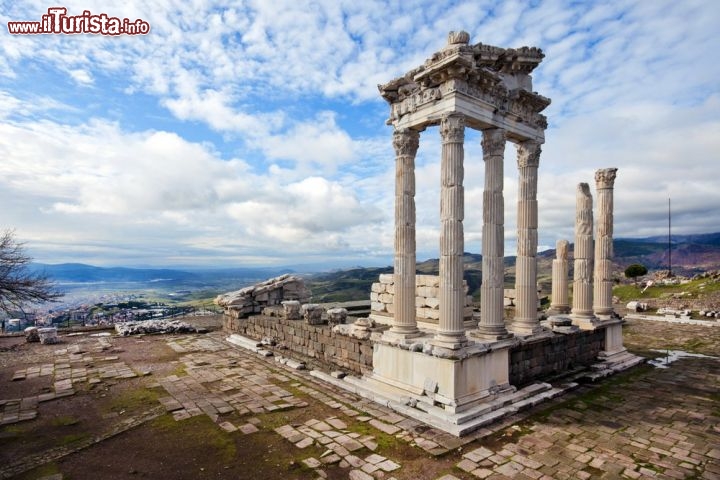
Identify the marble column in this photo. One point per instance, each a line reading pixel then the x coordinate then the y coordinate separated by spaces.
pixel 492 322
pixel 405 142
pixel 582 313
pixel 451 331
pixel 602 298
pixel 559 303
pixel 526 312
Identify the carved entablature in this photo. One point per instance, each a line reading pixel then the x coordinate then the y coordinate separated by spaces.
pixel 499 78
pixel 410 103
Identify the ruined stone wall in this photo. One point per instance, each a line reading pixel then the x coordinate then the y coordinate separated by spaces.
pixel 548 356
pixel 316 342
pixel 427 302
pixel 528 362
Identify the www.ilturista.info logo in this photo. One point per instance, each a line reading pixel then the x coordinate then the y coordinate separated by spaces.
pixel 57 21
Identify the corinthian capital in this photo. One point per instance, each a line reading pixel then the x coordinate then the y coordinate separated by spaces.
pixel 493 141
pixel 406 141
pixel 528 154
pixel 452 128
pixel 605 177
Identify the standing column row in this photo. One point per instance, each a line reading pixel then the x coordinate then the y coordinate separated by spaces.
pixel 405 143
pixel 492 322
pixel 526 317
pixel 451 331
pixel 604 182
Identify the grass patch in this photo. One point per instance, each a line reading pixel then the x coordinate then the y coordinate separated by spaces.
pixel 74 438
pixel 695 345
pixel 595 397
pixel 200 430
pixel 514 432
pixel 179 370
pixel 41 472
pixel 139 399
pixel 384 441
pixel 691 289
pixel 13 429
pixel 64 421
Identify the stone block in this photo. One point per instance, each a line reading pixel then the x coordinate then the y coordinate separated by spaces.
pixel 432 302
pixel 428 292
pixel 386 298
pixel 48 335
pixel 312 313
pixel 427 281
pixel 291 309
pixel 32 335
pixel 387 278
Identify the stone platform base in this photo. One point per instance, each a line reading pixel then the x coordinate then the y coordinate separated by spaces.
pixel 248 344
pixel 483 413
pixel 612 364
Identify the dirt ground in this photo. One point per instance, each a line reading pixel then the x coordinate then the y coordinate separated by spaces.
pixel 115 425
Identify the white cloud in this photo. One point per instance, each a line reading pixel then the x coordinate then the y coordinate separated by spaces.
pixel 82 77
pixel 302 164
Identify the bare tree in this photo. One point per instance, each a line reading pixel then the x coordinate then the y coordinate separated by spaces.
pixel 18 285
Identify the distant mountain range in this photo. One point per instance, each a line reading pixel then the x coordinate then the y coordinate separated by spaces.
pixel 690 254
pixel 82 273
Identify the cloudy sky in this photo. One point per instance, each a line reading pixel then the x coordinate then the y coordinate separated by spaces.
pixel 252 132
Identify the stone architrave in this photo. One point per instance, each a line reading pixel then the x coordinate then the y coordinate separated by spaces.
pixel 492 322
pixel 582 313
pixel 602 298
pixel 526 315
pixel 559 303
pixel 451 329
pixel 404 324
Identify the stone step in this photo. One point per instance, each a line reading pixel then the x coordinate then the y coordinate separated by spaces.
pixel 456 424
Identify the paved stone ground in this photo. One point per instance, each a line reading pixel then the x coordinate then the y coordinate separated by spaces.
pixel 646 423
pixel 68 368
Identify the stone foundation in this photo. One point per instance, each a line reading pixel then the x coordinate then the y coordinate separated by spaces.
pixel 537 359
pixel 529 361
pixel 311 342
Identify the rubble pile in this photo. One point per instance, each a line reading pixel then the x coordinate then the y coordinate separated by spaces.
pixel 253 299
pixel 155 326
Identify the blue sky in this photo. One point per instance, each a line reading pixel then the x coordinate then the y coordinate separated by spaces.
pixel 252 132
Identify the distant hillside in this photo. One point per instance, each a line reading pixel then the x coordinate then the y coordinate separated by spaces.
pixel 82 273
pixel 79 272
pixel 354 284
pixel 690 254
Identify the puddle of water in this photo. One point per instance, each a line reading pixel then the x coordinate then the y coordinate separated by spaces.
pixel 671 356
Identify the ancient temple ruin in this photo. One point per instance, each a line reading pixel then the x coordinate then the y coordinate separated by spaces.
pixel 434 360
pixel 454 374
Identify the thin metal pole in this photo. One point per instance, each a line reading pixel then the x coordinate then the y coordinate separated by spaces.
pixel 669 243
